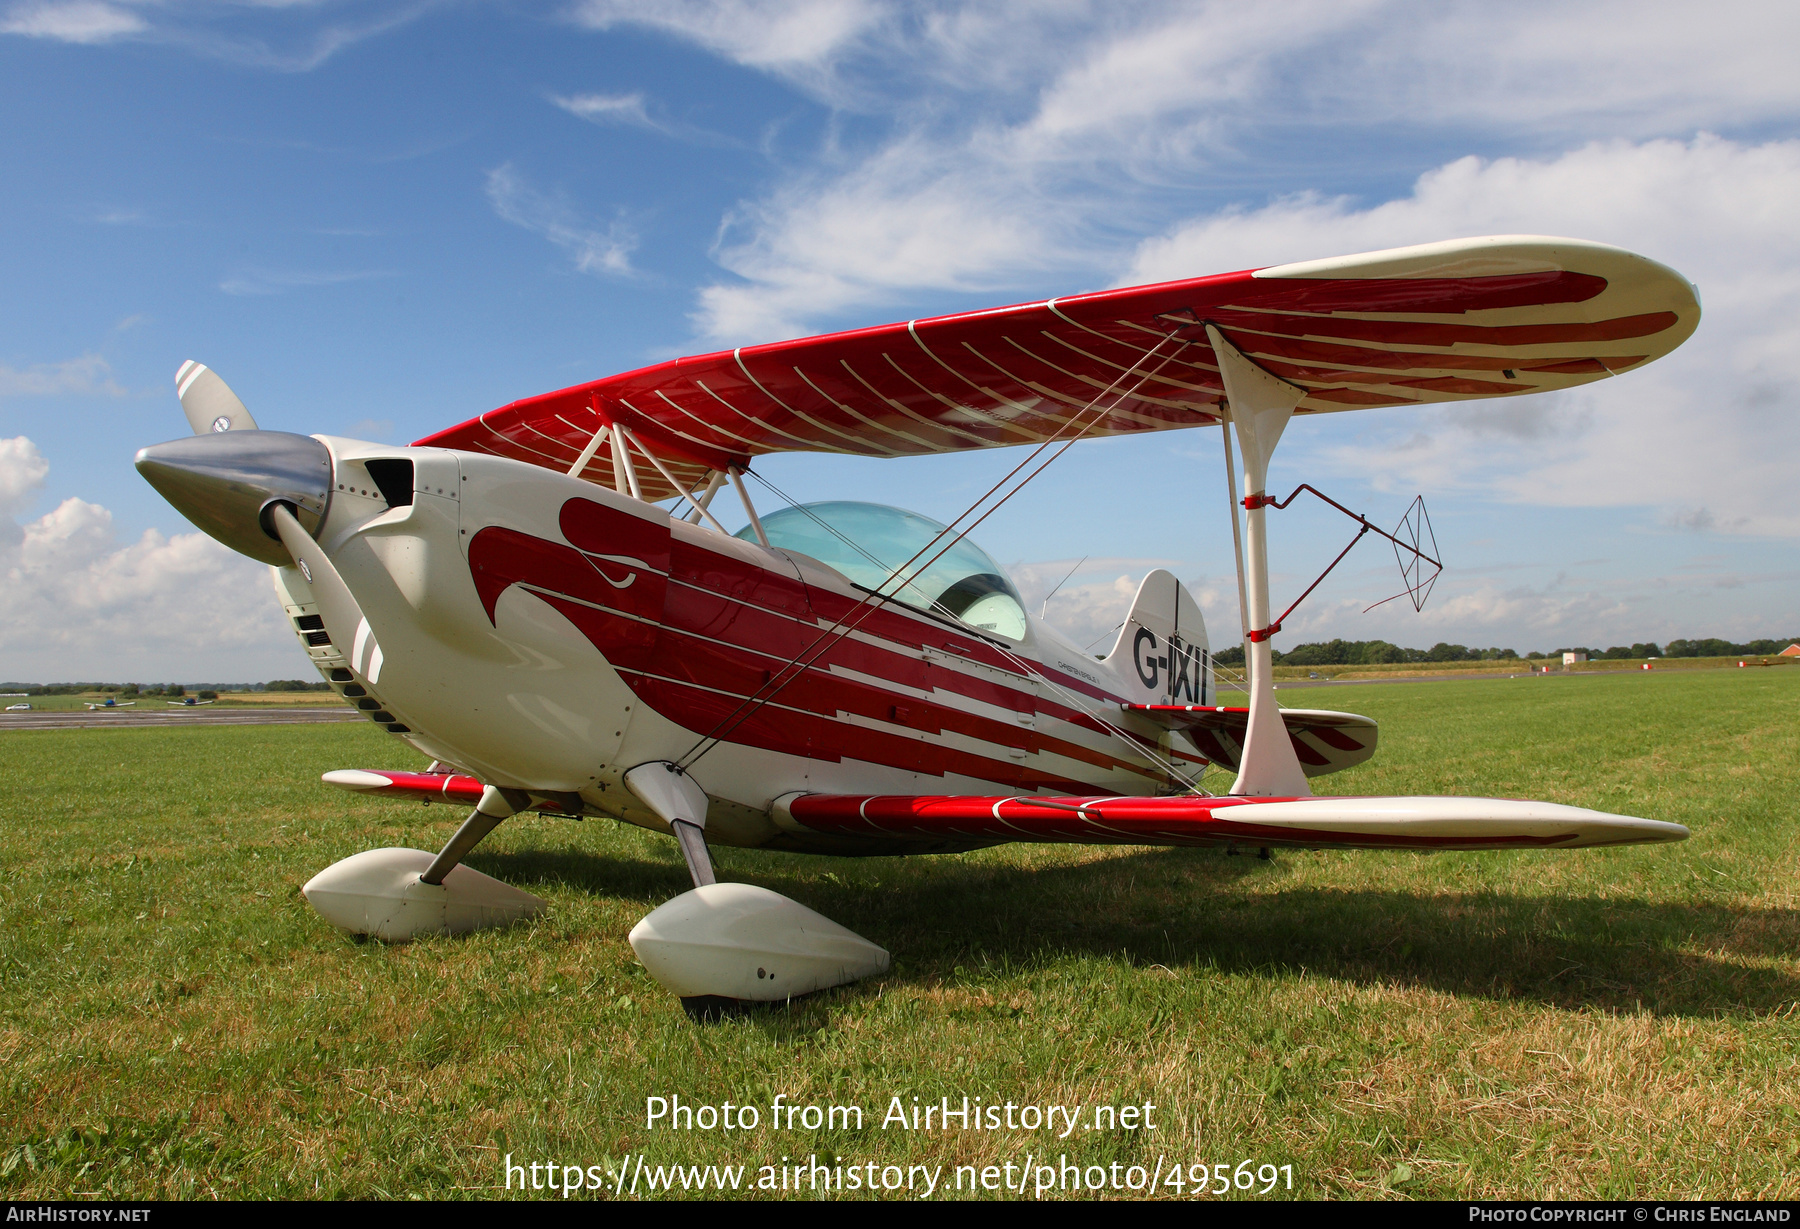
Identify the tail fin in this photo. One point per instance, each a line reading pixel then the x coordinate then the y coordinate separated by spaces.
pixel 1162 652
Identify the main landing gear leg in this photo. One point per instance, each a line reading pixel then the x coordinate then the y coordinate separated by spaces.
pixel 397 894
pixel 692 839
pixel 1260 408
pixel 723 945
pixel 495 805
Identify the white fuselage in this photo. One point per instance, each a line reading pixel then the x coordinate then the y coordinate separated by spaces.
pixel 547 634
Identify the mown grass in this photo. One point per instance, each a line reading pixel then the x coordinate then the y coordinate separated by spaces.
pixel 176 1021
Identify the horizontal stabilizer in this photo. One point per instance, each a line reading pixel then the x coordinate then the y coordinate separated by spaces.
pixel 1324 741
pixel 1310 823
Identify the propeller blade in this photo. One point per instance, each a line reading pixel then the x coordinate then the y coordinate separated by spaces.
pixel 208 401
pixel 344 620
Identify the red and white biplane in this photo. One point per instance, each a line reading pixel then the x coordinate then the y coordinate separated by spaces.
pixel 515 597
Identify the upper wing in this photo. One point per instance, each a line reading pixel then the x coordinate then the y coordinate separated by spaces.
pixel 1441 322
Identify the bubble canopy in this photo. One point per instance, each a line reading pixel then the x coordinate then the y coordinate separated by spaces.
pixel 868 542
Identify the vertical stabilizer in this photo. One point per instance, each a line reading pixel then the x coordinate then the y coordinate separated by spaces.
pixel 1162 652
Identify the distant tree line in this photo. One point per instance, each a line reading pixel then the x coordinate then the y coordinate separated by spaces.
pixel 1317 653
pixel 205 691
pixel 1380 652
pixel 1724 648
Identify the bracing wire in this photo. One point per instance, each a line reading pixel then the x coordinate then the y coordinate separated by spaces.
pixel 1074 699
pixel 1044 609
pixel 866 606
pixel 846 623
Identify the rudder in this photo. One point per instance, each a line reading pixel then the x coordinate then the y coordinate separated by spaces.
pixel 1162 653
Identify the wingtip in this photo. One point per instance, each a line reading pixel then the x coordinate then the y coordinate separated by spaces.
pixel 356 780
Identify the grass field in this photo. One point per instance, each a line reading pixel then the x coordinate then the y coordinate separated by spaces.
pixel 177 1022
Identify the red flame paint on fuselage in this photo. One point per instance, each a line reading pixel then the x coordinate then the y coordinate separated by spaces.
pixel 696 633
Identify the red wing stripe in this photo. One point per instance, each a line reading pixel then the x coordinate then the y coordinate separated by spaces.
pixel 1044 390
pixel 1438 295
pixel 664 424
pixel 945 427
pixel 1333 738
pixel 1010 402
pixel 1356 396
pixel 816 424
pixel 715 428
pixel 1132 370
pixel 763 422
pixel 1030 437
pixel 859 416
pixel 1434 333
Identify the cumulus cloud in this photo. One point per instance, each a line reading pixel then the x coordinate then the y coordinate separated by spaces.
pixel 605 251
pixel 22 472
pixel 1636 68
pixel 1477 608
pixel 77 21
pixel 1094 595
pixel 634 111
pixel 77 602
pixel 239 33
pixel 896 225
pixel 257 281
pixel 1713 424
pixel 1478 611
pixel 799 39
pixel 1020 139
pixel 627 109
pixel 87 374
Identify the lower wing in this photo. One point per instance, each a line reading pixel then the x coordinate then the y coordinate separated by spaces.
pixel 963 821
pixel 1306 823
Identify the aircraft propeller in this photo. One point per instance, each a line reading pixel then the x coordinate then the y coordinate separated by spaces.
pixel 229 474
pixel 263 493
pixel 208 401
pixel 344 620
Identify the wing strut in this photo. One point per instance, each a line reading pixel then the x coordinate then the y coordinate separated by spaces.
pixel 1260 407
pixel 737 481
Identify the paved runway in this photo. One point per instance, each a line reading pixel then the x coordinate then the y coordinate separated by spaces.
pixel 82 719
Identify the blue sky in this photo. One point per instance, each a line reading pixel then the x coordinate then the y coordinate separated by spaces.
pixel 380 219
